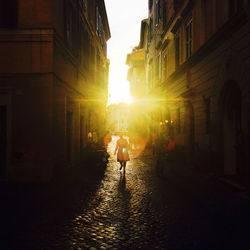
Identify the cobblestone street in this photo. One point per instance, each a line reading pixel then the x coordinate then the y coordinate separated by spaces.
pixel 140 211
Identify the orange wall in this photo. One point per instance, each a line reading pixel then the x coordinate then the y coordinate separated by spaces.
pixel 35 13
pixel 22 56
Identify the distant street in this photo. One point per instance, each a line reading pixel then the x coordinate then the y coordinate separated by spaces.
pixel 141 211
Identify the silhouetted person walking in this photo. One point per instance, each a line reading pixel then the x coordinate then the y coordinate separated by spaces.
pixel 122 155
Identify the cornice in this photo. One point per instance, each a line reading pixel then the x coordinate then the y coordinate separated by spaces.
pixel 26 35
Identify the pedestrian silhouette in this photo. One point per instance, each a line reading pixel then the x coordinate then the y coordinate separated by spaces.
pixel 122 154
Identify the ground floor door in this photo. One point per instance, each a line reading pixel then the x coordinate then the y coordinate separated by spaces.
pixel 69 127
pixel 229 147
pixel 3 140
pixel 190 133
pixel 233 139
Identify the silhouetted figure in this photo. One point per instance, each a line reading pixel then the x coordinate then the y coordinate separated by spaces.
pixel 89 136
pixel 171 149
pixel 122 155
pixel 107 139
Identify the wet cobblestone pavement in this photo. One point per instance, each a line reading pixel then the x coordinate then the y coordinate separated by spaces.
pixel 140 211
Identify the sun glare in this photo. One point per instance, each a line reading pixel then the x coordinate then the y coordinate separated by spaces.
pixel 119 90
pixel 125 27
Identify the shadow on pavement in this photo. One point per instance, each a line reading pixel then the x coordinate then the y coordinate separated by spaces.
pixel 26 206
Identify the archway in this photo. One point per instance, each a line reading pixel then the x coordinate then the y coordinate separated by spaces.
pixel 231 129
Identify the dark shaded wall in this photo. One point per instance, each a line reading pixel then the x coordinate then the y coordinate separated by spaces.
pixel 8 14
pixel 47 73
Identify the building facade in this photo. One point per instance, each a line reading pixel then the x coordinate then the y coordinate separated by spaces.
pixel 137 79
pixel 53 84
pixel 118 117
pixel 197 80
pixel 136 62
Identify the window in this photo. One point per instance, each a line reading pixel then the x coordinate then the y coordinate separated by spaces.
pixel 72 29
pixel 177 50
pixel 150 4
pixel 84 48
pixel 231 7
pixel 239 4
pixel 76 38
pixel 158 67
pixel 98 19
pixel 98 65
pixel 157 12
pixel 204 9
pixel 189 38
pixel 83 4
pixel 164 14
pixel 99 27
pixel 156 71
pixel 8 14
pixel 100 30
pixel 208 114
pixel 69 25
pixel 165 64
pixel 150 30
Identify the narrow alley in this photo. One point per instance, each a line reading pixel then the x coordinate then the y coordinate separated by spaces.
pixel 139 210
pixel 172 77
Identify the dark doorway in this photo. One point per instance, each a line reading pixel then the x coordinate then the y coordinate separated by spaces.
pixel 232 142
pixel 69 136
pixel 189 131
pixel 3 140
pixel 81 132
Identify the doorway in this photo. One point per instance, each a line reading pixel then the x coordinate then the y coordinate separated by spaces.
pixel 69 127
pixel 233 144
pixel 3 140
pixel 81 132
pixel 190 133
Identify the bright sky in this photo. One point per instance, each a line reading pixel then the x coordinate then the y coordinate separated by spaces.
pixel 125 22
